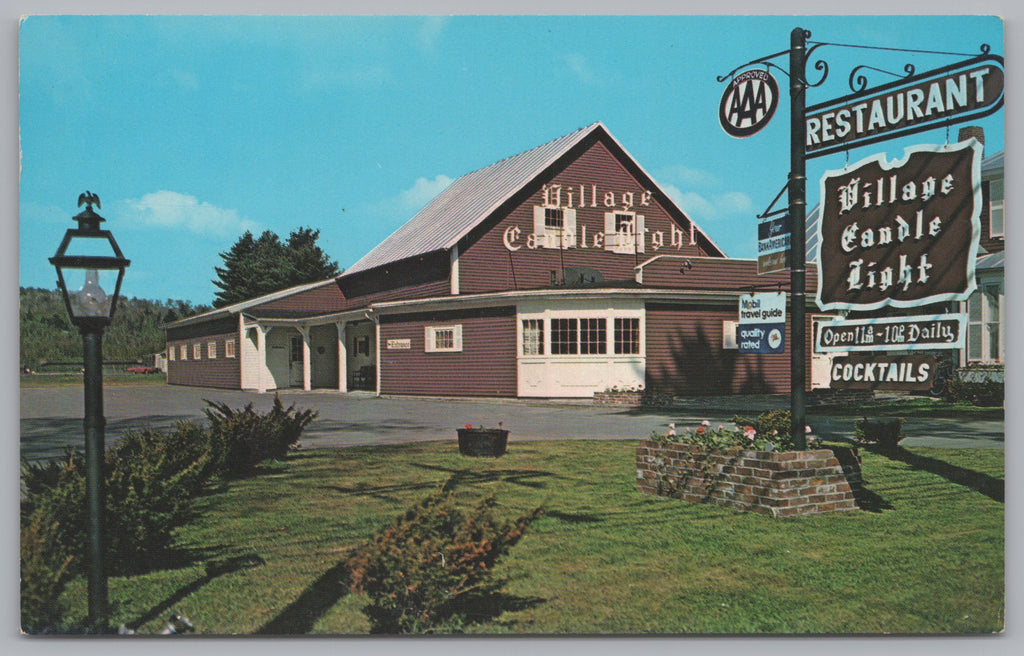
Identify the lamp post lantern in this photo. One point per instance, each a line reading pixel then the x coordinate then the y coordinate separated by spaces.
pixel 90 254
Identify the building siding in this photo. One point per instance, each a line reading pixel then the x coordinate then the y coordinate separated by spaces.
pixel 685 355
pixel 486 366
pixel 222 371
pixel 486 265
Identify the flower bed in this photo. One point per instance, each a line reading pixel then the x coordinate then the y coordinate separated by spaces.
pixel 780 484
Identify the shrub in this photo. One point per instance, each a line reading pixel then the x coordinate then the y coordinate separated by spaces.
pixel 884 433
pixel 241 439
pixel 983 391
pixel 419 572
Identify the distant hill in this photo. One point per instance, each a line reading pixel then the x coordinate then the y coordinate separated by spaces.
pixel 47 334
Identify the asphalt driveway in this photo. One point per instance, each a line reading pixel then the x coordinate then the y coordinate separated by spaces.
pixel 51 417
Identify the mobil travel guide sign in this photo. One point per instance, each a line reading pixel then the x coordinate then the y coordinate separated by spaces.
pixel 904 234
pixel 762 323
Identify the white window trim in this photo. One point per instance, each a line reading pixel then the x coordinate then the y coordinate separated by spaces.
pixel 230 350
pixel 729 335
pixel 553 237
pixel 994 205
pixel 211 350
pixel 184 352
pixel 430 338
pixel 171 351
pixel 623 242
pixel 983 323
pixel 197 351
pixel 609 314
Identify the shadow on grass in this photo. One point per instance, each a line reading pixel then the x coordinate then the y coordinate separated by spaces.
pixel 993 488
pixel 214 568
pixel 530 479
pixel 299 616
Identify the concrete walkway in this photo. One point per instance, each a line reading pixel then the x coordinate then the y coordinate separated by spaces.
pixel 51 418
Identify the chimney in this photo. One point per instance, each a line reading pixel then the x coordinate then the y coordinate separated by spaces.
pixel 975 131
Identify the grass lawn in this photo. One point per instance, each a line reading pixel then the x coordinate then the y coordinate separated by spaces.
pixel 928 557
pixel 63 380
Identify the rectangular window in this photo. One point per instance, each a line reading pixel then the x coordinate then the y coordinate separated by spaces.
pixel 627 336
pixel 211 350
pixel 554 217
pixel 624 232
pixel 593 336
pixel 995 208
pixel 729 335
pixel 441 339
pixel 983 314
pixel 229 348
pixel 564 336
pixel 171 352
pixel 184 352
pixel 533 337
pixel 197 351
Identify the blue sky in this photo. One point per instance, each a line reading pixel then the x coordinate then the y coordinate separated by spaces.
pixel 194 129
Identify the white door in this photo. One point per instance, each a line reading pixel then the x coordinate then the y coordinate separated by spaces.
pixel 295 362
pixel 821 363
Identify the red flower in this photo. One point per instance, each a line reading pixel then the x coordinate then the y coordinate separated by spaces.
pixel 469 426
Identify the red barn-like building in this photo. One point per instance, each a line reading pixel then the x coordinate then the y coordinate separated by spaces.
pixel 559 272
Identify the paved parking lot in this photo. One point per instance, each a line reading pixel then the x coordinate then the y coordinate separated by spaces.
pixel 51 417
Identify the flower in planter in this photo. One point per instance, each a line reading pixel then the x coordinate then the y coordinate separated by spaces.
pixel 749 433
pixel 672 430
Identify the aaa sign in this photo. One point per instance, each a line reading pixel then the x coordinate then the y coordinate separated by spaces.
pixel 904 235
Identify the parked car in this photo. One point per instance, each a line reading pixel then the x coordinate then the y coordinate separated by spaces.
pixel 142 370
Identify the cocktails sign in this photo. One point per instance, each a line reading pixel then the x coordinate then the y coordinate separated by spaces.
pixel 901 235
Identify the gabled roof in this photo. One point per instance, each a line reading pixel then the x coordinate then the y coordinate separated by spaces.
pixel 228 310
pixel 471 199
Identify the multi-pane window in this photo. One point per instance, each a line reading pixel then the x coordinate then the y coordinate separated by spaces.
pixel 184 352
pixel 627 336
pixel 554 217
pixel 983 339
pixel 533 337
pixel 171 352
pixel 211 350
pixel 995 208
pixel 197 351
pixel 564 336
pixel 443 338
pixel 229 348
pixel 593 336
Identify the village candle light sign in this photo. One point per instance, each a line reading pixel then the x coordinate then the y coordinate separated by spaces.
pixel 904 235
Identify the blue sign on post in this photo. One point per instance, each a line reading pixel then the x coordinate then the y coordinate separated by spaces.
pixel 761 337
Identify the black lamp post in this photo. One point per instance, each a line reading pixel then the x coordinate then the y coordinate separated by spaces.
pixel 91 255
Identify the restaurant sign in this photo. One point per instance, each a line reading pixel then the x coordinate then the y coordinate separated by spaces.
pixel 939 331
pixel 883 372
pixel 903 234
pixel 961 92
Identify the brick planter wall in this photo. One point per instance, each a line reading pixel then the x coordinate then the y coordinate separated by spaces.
pixel 618 398
pixel 777 484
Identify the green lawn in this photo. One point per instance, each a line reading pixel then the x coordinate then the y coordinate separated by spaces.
pixel 68 379
pixel 927 557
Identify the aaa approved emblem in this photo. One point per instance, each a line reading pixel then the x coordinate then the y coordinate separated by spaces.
pixel 748 103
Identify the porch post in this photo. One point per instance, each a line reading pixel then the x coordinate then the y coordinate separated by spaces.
pixel 342 358
pixel 307 378
pixel 261 358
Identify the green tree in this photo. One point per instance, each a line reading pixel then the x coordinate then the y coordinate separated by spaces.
pixel 257 266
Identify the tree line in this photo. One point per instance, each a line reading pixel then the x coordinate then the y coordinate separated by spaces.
pixel 253 266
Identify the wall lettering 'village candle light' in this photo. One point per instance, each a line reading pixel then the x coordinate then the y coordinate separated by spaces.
pixel 589 196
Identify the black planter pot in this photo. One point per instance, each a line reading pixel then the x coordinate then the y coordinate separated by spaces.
pixel 483 441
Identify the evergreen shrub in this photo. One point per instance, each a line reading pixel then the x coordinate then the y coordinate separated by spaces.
pixel 420 572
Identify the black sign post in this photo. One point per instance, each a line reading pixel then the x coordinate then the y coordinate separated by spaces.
pixel 798 242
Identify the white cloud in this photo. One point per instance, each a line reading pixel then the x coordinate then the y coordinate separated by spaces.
pixel 718 207
pixel 578 65
pixel 423 191
pixel 170 209
pixel 686 176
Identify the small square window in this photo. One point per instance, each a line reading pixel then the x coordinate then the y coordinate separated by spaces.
pixel 440 339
